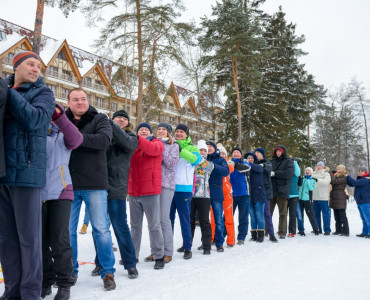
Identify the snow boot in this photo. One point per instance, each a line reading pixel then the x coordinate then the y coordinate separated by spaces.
pixel 336 233
pixel 360 235
pixel 206 251
pixel 149 258
pixel 261 236
pixel 167 259
pixel 63 293
pixel 326 233
pixel 45 292
pixel 187 254
pixel 220 248
pixel 132 273
pixel 74 277
pixel 109 283
pixel 273 239
pixel 200 247
pixel 240 242
pixel 301 233
pixel 254 236
pixel 83 229
pixel 159 264
pixel 230 246
pixel 181 249
pixel 96 271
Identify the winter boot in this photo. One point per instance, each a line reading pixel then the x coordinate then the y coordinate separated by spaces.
pixel 261 236
pixel 301 233
pixel 230 246
pixel 109 283
pixel 83 229
pixel 149 258
pixel 360 235
pixel 132 273
pixel 96 271
pixel 254 236
pixel 273 239
pixel 63 293
pixel 45 292
pixel 220 248
pixel 181 249
pixel 159 264
pixel 187 254
pixel 167 259
pixel 240 242
pixel 206 251
pixel 200 247
pixel 326 233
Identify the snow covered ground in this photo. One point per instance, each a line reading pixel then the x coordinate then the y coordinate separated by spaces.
pixel 311 267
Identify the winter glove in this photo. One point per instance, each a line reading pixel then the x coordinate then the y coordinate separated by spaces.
pixel 308 176
pixel 262 165
pixel 272 173
pixel 230 162
pixel 246 162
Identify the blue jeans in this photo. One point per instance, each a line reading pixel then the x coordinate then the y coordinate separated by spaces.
pixel 256 211
pixel 182 203
pixel 242 202
pixel 322 206
pixel 118 217
pixel 86 217
pixel 300 219
pixel 218 209
pixel 96 204
pixel 364 210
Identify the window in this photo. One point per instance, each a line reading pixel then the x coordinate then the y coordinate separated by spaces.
pixel 114 107
pixel 66 75
pixel 78 61
pixel 61 55
pixel 99 102
pixel 87 82
pixel 163 119
pixel 52 87
pixel 53 72
pixel 98 85
pixel 64 93
pixel 5 75
pixel 172 119
pixel 8 58
pixel 2 36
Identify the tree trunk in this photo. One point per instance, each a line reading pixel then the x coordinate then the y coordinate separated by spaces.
pixel 366 135
pixel 234 62
pixel 38 26
pixel 139 103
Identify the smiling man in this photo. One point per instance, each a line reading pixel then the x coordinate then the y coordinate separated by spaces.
pixel 30 105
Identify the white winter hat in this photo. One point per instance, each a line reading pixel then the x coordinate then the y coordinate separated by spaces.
pixel 221 148
pixel 310 169
pixel 202 145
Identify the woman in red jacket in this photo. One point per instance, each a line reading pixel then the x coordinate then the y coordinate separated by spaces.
pixel 144 189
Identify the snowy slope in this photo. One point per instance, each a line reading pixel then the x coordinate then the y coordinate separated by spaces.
pixel 311 267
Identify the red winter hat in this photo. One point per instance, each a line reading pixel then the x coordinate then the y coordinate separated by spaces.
pixel 22 56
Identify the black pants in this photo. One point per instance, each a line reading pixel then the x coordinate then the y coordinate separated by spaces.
pixel 202 205
pixel 292 207
pixel 20 241
pixel 341 221
pixel 56 249
pixel 310 212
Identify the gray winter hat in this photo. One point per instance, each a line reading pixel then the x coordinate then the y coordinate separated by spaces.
pixel 321 163
pixel 167 126
pixel 363 169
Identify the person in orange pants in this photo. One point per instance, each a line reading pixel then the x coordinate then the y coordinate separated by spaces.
pixel 227 204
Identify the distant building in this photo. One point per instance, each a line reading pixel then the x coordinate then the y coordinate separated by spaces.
pixel 65 67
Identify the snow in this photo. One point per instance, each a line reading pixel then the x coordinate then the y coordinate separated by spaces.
pixel 49 50
pixel 86 67
pixel 311 267
pixel 9 42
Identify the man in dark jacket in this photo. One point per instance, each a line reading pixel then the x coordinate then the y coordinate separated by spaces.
pixel 3 94
pixel 221 169
pixel 281 175
pixel 267 167
pixel 89 172
pixel 30 105
pixel 119 153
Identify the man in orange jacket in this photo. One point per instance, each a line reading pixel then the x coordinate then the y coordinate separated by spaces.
pixel 227 204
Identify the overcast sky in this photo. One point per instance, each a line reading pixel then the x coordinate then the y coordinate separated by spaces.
pixel 336 31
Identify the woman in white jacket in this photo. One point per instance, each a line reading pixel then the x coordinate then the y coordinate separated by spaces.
pixel 320 196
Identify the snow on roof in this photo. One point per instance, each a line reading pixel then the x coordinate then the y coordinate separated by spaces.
pixel 9 42
pixel 183 94
pixel 49 49
pixel 86 67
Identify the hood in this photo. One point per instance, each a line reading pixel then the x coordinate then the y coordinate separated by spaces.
pixel 283 149
pixel 184 143
pixel 253 154
pixel 213 155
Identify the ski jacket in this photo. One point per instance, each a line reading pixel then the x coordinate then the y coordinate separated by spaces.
pixel 257 190
pixel 26 123
pixel 322 190
pixel 201 179
pixel 88 163
pixel 238 181
pixel 338 197
pixel 184 170
pixel 170 158
pixel 284 170
pixel 266 176
pixel 119 153
pixel 221 169
pixel 294 189
pixel 63 137
pixel 308 185
pixel 3 96
pixel 146 168
pixel 362 188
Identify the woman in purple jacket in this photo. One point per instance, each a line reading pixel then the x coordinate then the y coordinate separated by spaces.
pixel 169 161
pixel 57 196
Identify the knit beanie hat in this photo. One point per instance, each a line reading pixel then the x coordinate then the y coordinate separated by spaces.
pixel 22 56
pixel 221 148
pixel 121 113
pixel 212 143
pixel 144 125
pixel 260 150
pixel 363 169
pixel 310 169
pixel 167 126
pixel 183 127
pixel 237 149
pixel 321 164
pixel 202 145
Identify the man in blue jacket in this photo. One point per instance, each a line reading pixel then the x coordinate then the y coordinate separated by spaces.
pixel 30 106
pixel 221 169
